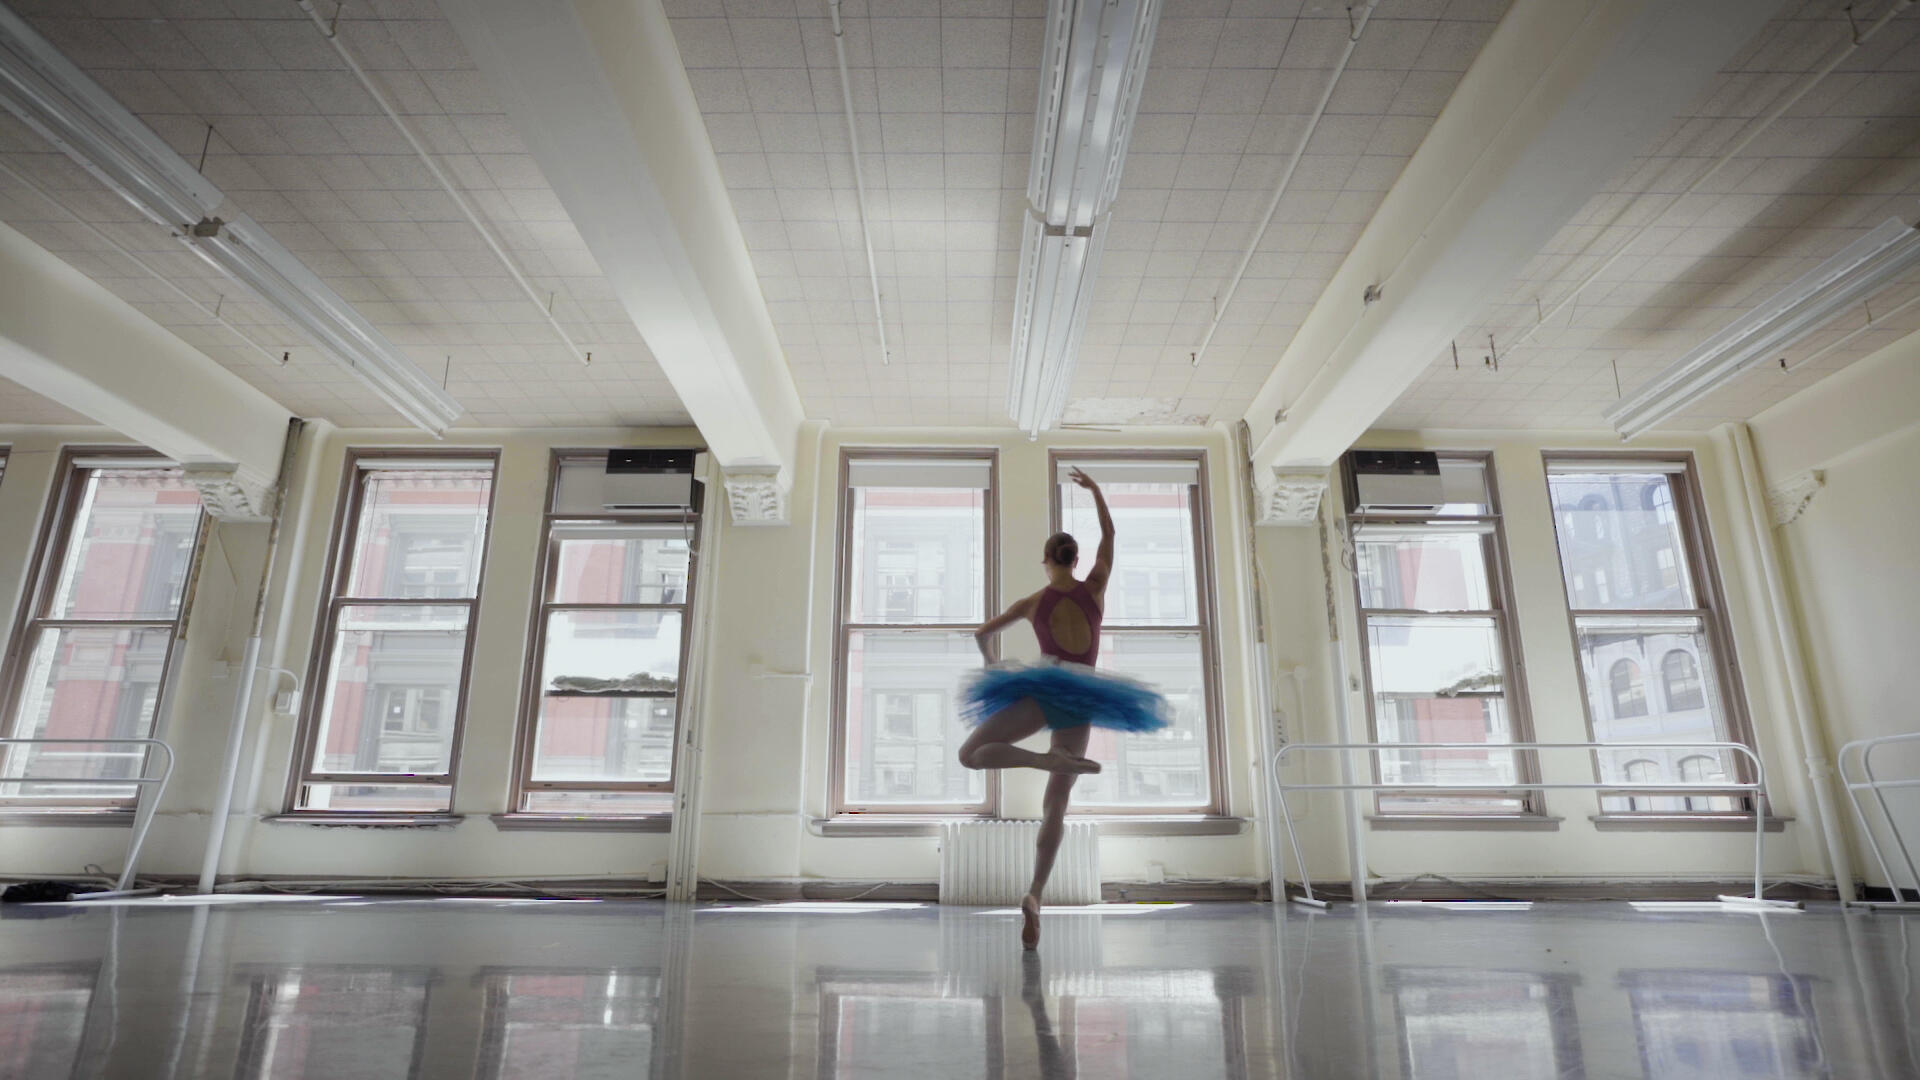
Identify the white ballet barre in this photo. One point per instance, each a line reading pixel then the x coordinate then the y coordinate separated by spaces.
pixel 1757 788
pixel 1863 749
pixel 143 804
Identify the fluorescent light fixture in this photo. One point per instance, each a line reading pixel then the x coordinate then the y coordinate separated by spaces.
pixel 77 115
pixel 1093 65
pixel 1861 269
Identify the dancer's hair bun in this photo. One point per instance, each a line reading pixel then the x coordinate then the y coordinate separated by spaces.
pixel 1062 549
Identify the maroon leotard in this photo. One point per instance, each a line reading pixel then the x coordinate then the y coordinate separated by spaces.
pixel 1050 598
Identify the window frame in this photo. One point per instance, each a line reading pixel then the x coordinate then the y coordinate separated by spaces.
pixel 1206 608
pixel 50 549
pixel 340 550
pixel 526 727
pixel 1689 516
pixel 843 630
pixel 1505 616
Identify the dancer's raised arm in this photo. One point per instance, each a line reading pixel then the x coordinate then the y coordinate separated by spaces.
pixel 1102 559
pixel 987 637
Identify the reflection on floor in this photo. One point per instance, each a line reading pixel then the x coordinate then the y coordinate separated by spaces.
pixel 342 989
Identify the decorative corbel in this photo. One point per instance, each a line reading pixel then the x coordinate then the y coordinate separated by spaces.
pixel 227 494
pixel 1292 497
pixel 756 495
pixel 1788 499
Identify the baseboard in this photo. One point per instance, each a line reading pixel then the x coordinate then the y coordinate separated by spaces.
pixel 1584 889
pixel 780 891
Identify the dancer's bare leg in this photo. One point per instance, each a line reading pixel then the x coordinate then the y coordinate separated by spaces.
pixel 1053 827
pixel 991 744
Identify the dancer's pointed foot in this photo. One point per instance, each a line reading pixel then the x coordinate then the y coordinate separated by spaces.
pixel 1060 761
pixel 1030 929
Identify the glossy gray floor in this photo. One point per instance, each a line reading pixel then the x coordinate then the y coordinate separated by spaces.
pixel 342 989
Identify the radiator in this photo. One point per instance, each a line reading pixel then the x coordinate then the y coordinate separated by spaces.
pixel 991 862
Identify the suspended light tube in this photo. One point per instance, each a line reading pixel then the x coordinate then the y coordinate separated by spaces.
pixel 1094 63
pixel 1861 269
pixel 80 118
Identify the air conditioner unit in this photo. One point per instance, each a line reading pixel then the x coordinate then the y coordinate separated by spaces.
pixel 650 480
pixel 1396 481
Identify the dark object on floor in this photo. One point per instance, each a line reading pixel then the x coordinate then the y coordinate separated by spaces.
pixel 43 892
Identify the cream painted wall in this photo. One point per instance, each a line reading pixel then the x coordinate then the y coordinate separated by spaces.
pixel 1577 849
pixel 1850 556
pixel 766 717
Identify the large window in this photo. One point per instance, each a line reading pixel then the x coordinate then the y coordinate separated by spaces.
pixel 90 658
pixel 1647 615
pixel 1158 626
pixel 390 667
pixel 609 654
pixel 916 580
pixel 1440 655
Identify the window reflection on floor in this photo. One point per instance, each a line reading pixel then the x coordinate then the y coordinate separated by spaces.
pixel 1465 1024
pixel 322 1023
pixel 587 1024
pixel 43 1019
pixel 1115 1025
pixel 1142 1025
pixel 1700 1025
pixel 877 1026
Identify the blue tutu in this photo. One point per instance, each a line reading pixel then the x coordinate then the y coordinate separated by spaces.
pixel 1070 695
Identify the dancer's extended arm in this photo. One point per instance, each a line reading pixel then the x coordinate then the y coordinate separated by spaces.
pixel 986 637
pixel 1103 559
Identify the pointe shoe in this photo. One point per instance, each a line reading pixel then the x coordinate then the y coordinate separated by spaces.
pixel 1030 922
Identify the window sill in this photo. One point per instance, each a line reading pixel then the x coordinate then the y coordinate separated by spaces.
pixel 1682 823
pixel 639 823
pixel 364 819
pixel 68 818
pixel 877 825
pixel 1463 822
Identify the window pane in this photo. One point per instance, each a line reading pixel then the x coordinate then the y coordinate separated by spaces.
pixel 1464 485
pixel 87 684
pixel 918 555
pixel 1637 712
pixel 620 564
pixel 1620 543
pixel 613 803
pixel 1411 719
pixel 1434 656
pixel 903 731
pixel 395 798
pixel 604 738
pixel 1439 679
pixel 130 546
pixel 612 652
pixel 393 689
pixel 420 534
pixel 1428 571
pixel 1153 557
pixel 1166 767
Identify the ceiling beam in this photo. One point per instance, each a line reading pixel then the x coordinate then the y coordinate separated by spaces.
pixel 65 337
pixel 597 90
pixel 1562 97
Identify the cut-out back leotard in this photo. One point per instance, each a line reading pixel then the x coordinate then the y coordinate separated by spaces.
pixel 1051 598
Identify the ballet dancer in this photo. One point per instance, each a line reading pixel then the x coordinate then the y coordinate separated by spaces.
pixel 1062 693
